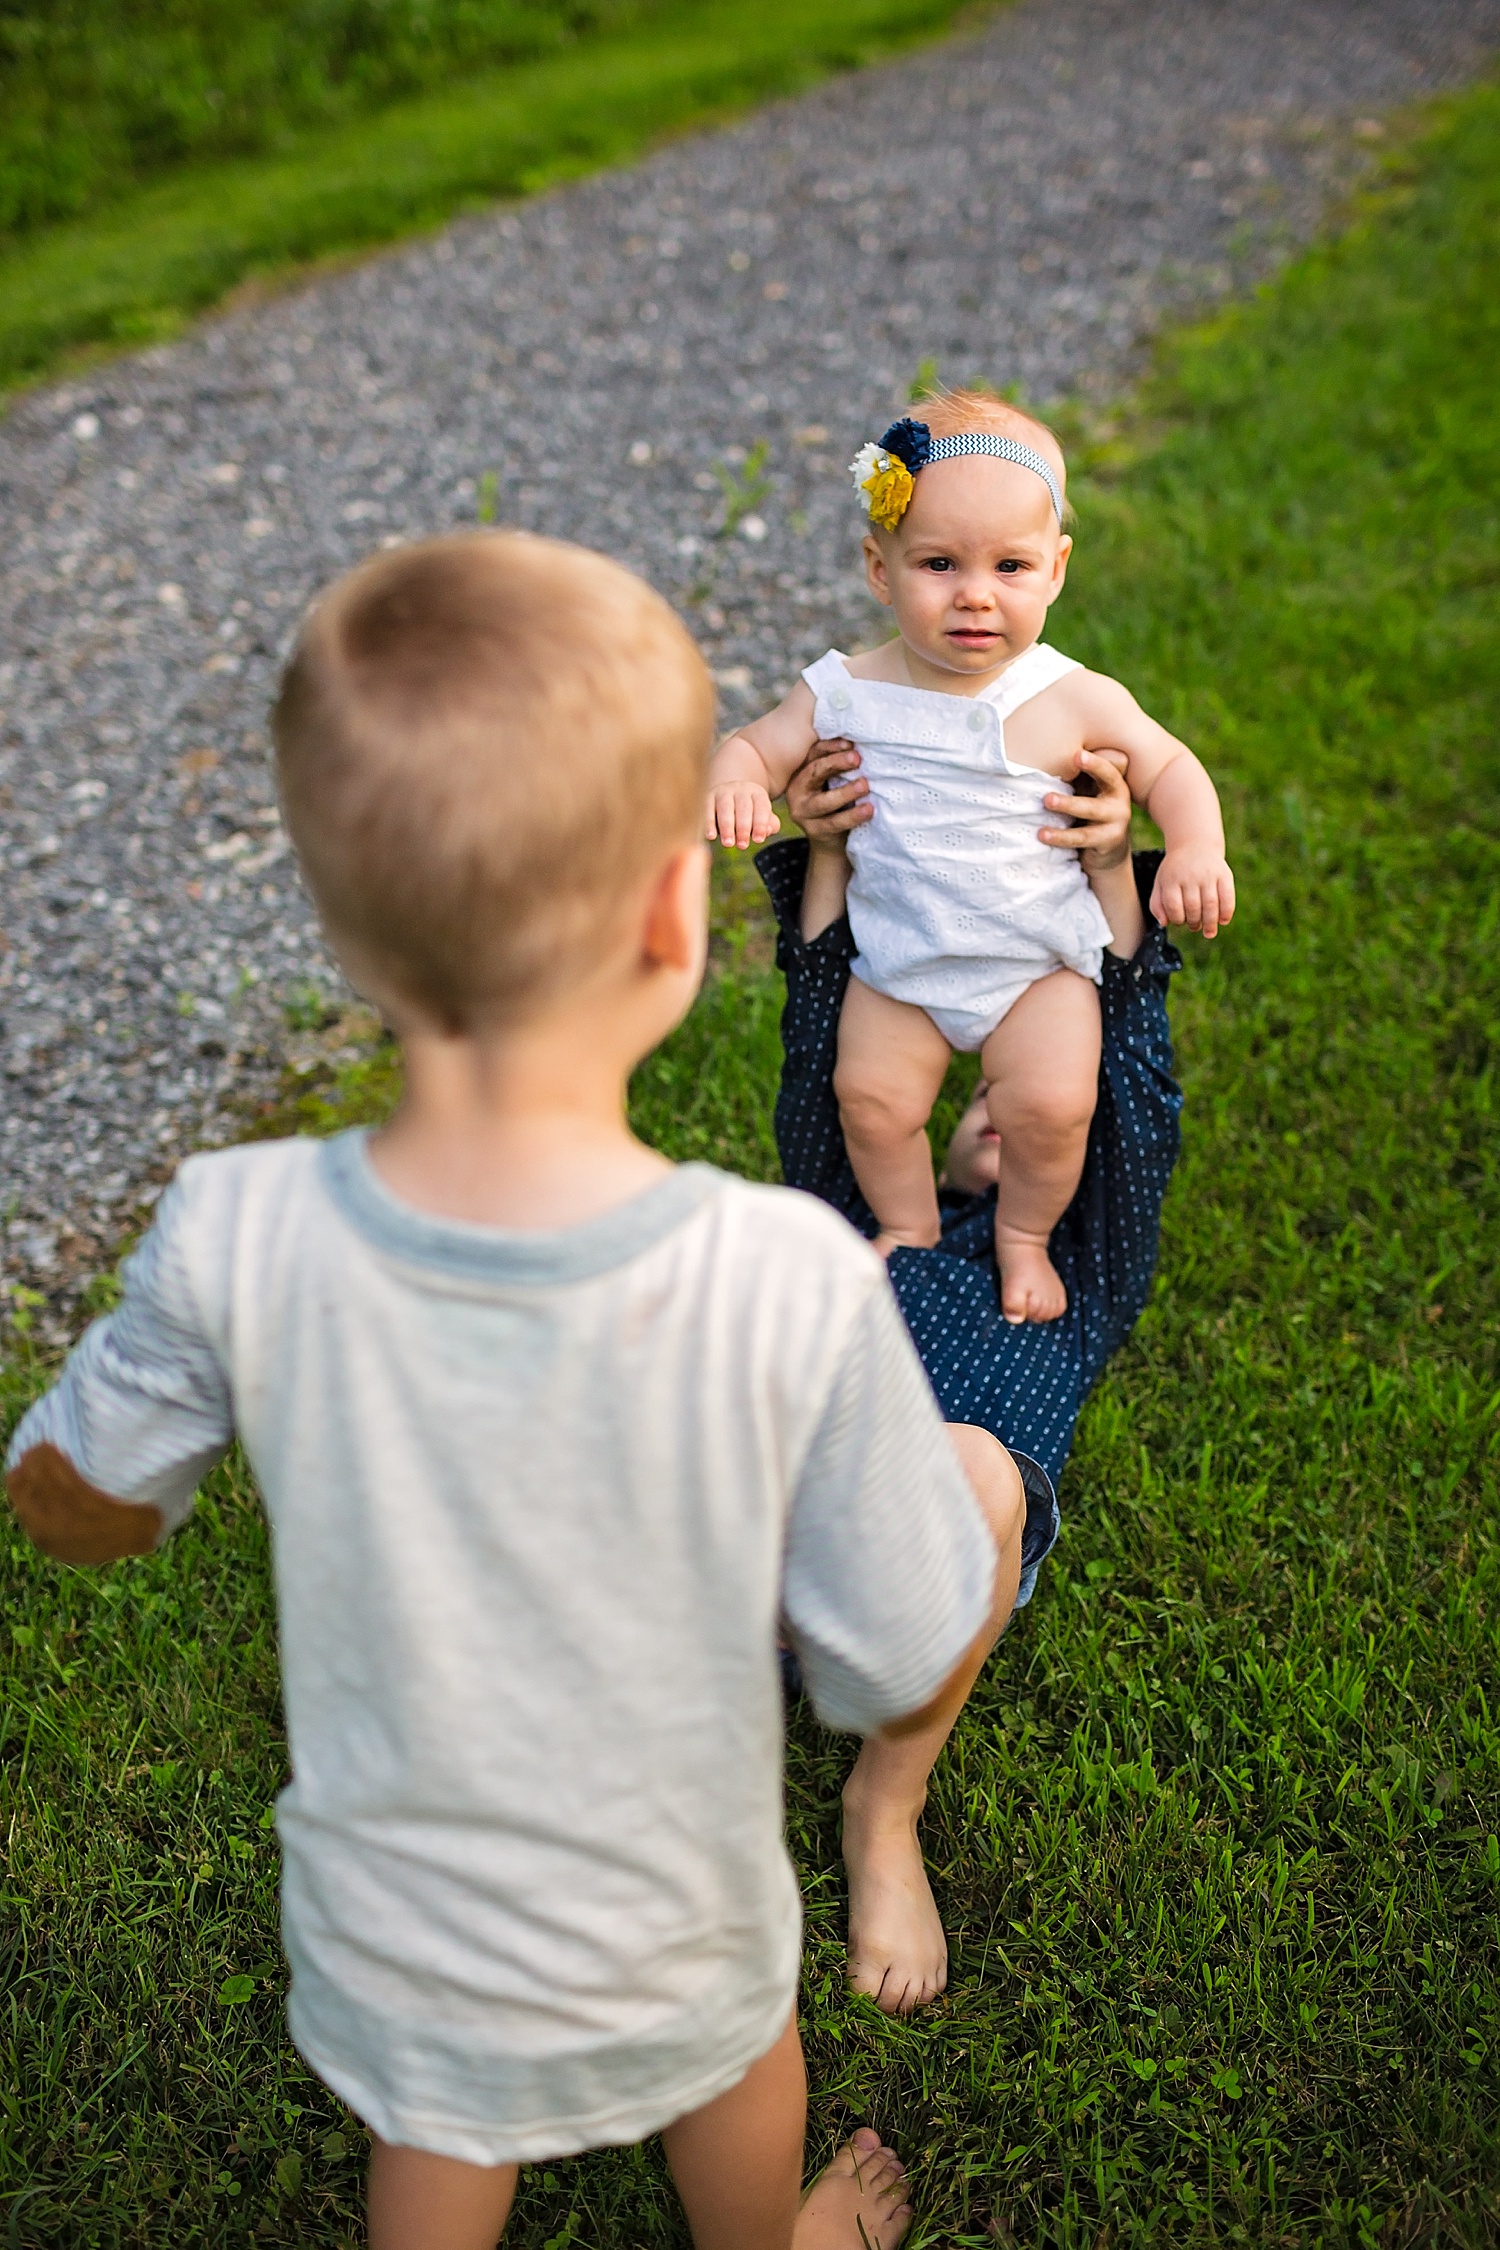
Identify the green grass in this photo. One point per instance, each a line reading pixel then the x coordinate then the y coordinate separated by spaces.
pixel 98 95
pixel 132 271
pixel 1217 1837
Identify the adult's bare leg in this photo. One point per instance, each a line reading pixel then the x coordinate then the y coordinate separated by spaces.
pixel 418 2201
pixel 891 1063
pixel 897 1950
pixel 1042 1069
pixel 738 2167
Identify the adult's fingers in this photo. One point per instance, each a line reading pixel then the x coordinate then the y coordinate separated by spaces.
pixel 1080 808
pixel 808 786
pixel 847 793
pixel 823 761
pixel 1107 771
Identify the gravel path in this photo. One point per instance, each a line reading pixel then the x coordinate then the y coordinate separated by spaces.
pixel 1023 203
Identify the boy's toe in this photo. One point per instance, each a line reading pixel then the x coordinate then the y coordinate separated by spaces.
pixel 858 2202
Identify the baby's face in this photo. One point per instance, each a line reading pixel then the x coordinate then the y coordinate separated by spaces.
pixel 974 566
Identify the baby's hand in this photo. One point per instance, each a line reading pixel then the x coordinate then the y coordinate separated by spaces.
pixel 1194 886
pixel 739 813
pixel 822 804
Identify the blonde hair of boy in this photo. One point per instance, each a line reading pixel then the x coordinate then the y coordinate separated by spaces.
pixel 486 743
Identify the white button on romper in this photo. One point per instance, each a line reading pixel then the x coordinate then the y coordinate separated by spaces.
pixel 954 903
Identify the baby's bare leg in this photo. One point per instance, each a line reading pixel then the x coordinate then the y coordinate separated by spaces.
pixel 1042 1064
pixel 891 1063
pixel 738 2167
pixel 423 2202
pixel 897 1950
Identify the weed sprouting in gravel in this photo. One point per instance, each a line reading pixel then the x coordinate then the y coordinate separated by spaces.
pixel 926 382
pixel 308 1007
pixel 744 485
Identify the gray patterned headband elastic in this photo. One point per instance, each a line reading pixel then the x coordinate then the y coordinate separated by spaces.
pixel 910 446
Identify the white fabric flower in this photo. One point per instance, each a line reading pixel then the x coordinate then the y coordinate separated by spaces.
pixel 865 467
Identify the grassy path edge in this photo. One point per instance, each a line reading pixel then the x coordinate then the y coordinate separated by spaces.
pixel 133 276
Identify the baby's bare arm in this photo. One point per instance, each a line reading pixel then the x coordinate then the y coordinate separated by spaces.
pixel 1195 885
pixel 1099 831
pixel 753 765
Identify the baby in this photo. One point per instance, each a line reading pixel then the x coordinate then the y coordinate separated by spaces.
pixel 978 931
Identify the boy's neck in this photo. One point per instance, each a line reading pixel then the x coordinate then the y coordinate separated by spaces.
pixel 523 1127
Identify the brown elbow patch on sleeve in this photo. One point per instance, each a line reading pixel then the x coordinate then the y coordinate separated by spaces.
pixel 71 1519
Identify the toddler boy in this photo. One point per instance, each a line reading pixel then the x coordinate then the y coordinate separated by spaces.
pixel 550 1435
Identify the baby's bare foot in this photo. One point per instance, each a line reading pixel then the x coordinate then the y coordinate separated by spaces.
pixel 1030 1285
pixel 859 2201
pixel 897 1951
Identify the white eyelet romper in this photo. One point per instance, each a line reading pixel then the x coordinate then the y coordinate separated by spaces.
pixel 954 904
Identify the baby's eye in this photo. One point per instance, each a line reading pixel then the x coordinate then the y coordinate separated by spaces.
pixel 937 562
pixel 1010 566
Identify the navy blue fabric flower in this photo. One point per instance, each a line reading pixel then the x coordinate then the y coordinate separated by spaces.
pixel 910 441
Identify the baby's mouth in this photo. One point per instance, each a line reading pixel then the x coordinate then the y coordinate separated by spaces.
pixel 973 636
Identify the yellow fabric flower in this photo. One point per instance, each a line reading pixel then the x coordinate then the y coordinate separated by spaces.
pixel 890 489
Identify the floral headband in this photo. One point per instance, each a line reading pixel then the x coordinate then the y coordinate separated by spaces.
pixel 885 474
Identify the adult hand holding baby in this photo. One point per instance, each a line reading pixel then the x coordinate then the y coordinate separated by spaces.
pixel 823 805
pixel 1100 814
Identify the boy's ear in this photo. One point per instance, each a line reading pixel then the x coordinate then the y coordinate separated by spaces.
pixel 877 576
pixel 677 911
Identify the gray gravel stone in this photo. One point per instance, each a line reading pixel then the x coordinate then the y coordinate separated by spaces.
pixel 1021 204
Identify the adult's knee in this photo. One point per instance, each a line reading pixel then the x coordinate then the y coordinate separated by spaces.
pixel 995 1479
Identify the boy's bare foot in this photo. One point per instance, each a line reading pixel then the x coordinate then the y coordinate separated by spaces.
pixel 860 2200
pixel 897 1951
pixel 1031 1287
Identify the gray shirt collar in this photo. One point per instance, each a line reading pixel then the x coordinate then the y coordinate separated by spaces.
pixel 466 1252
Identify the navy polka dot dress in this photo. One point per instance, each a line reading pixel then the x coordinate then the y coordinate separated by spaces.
pixel 1025 1384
